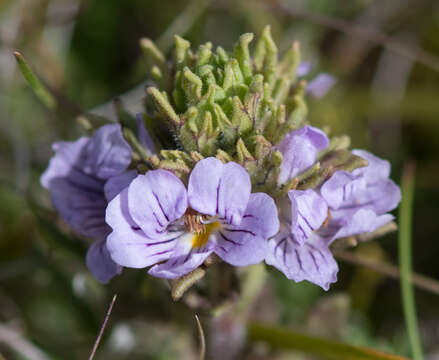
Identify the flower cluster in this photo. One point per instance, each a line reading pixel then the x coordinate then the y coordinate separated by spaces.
pixel 221 165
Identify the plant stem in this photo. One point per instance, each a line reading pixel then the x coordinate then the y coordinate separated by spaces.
pixel 405 255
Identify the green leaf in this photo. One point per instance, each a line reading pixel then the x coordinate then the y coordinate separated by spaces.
pixel 280 338
pixel 35 84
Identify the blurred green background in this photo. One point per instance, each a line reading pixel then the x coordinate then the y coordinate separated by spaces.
pixel 385 55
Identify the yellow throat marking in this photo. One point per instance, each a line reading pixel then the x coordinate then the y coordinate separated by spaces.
pixel 200 239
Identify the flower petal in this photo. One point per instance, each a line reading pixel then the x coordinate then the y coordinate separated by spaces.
pixel 107 153
pixel 299 149
pixel 67 154
pixel 311 261
pixel 128 244
pixel 184 259
pixel 219 189
pixel 81 203
pixel 246 243
pixel 308 212
pixel 240 247
pixel 116 184
pixel 341 189
pixel 383 196
pixel 354 222
pixel 344 190
pixel 320 85
pixel 303 68
pixel 156 199
pixel 99 262
pixel 377 169
pixel 145 138
pixel 261 216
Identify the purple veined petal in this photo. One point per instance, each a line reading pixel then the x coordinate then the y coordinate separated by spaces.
pixel 377 169
pixel 81 205
pixel 354 222
pixel 155 200
pixel 342 188
pixel 127 244
pixel 261 216
pixel 383 196
pixel 116 184
pixel 99 262
pixel 107 153
pixel 303 68
pixel 308 212
pixel 183 260
pixel 219 189
pixel 239 248
pixel 311 261
pixel 320 85
pixel 299 149
pixel 145 138
pixel 246 243
pixel 67 154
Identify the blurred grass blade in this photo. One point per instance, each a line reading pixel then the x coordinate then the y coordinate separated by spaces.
pixel 35 84
pixel 405 255
pixel 280 338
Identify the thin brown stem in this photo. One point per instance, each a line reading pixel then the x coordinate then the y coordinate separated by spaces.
pixel 101 331
pixel 202 339
pixel 420 281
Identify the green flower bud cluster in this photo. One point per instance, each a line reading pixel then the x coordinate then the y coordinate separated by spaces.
pixel 235 106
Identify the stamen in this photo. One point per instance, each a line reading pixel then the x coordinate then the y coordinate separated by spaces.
pixel 194 222
pixel 200 226
pixel 328 217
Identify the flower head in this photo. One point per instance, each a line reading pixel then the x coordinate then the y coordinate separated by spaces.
pixel 157 221
pixel 82 176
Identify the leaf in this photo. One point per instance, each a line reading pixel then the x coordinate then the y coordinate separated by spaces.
pixel 35 84
pixel 280 338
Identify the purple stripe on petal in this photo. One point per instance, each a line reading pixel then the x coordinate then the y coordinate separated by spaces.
pixel 163 200
pixel 128 244
pixel 212 189
pixel 311 261
pixel 225 238
pixel 308 212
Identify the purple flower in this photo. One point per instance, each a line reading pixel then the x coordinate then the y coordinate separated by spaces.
pixel 157 221
pixel 297 250
pixel 303 68
pixel 359 201
pixel 355 203
pixel 299 149
pixel 320 85
pixel 82 177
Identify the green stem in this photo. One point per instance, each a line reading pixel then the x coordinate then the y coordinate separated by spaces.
pixel 404 241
